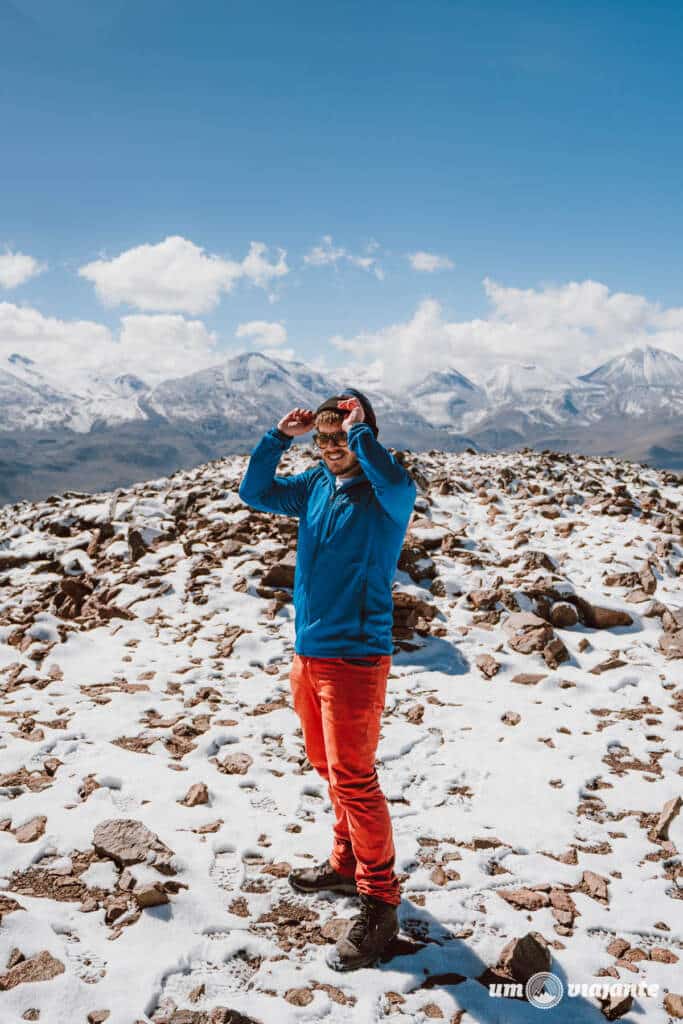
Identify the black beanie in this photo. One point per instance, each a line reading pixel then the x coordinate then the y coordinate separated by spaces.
pixel 331 403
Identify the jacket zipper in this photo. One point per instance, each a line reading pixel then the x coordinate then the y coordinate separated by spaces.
pixel 323 532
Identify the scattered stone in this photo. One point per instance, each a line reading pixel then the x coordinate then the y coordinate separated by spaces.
pixel 196 794
pixel 126 841
pixel 39 968
pixel 487 665
pixel 668 813
pixel 31 830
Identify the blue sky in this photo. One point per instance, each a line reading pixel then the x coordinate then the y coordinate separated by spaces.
pixel 535 146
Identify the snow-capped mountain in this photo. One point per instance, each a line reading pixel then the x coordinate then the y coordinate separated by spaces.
pixel 445 395
pixel 630 406
pixel 641 367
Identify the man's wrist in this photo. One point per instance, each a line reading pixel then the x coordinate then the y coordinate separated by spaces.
pixel 281 434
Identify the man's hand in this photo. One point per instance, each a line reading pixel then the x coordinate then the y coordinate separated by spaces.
pixel 298 421
pixel 356 414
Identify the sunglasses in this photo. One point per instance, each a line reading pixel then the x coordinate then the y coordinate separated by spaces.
pixel 322 440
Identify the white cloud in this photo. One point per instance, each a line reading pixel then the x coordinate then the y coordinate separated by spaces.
pixel 178 276
pixel 429 262
pixel 286 355
pixel 16 268
pixel 65 352
pixel 327 254
pixel 569 328
pixel 263 333
pixel 160 346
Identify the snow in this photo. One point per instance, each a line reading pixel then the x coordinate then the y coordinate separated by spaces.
pixel 458 775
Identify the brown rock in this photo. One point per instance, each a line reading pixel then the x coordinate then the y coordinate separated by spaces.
pixel 98 1016
pixel 527 632
pixel 153 895
pixel 527 678
pixel 673 1004
pixel 235 764
pixel 196 794
pixel 487 665
pixel 595 885
pixel 281 574
pixel 563 615
pixel 668 813
pixel 671 645
pixel 525 899
pixel 616 1006
pixel 299 996
pixel 618 947
pixel 555 652
pixel 39 968
pixel 31 830
pixel 126 841
pixel 522 958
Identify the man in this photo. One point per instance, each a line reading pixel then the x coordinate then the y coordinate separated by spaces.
pixel 353 510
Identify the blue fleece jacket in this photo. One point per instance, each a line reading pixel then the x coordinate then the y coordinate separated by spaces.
pixel 348 545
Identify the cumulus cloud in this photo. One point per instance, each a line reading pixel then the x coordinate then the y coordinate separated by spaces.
pixel 177 276
pixel 263 333
pixel 327 254
pixel 17 267
pixel 65 352
pixel 429 262
pixel 570 328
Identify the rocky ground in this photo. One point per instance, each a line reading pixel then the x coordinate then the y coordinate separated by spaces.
pixel 154 788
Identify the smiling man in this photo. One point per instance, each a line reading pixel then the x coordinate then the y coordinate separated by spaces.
pixel 353 510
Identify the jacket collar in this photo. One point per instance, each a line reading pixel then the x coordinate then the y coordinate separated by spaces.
pixel 331 477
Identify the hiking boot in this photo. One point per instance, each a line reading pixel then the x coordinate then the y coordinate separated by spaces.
pixel 371 932
pixel 321 876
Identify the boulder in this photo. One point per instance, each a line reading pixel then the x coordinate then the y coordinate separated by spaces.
pixel 38 968
pixel 126 841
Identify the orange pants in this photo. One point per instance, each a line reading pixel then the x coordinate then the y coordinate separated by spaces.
pixel 340 705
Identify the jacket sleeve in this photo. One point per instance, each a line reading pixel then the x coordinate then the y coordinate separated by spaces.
pixel 262 489
pixel 393 486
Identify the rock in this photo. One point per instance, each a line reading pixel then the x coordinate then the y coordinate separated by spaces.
pixel 38 968
pixel 616 1006
pixel 594 885
pixel 597 617
pixel 98 1016
pixel 136 545
pixel 511 718
pixel 126 841
pixel 673 1004
pixel 281 574
pixel 153 895
pixel 527 678
pixel 522 958
pixel 563 615
pixel 671 644
pixel 618 947
pixel 31 830
pixel 484 600
pixel 196 794
pixel 15 957
pixel 668 813
pixel 235 764
pixel 525 899
pixel 487 665
pixel 527 632
pixel 555 652
pixel 299 996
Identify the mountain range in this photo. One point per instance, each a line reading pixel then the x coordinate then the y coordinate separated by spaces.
pixel 110 432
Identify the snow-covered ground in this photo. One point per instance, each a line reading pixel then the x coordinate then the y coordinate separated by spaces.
pixel 145 644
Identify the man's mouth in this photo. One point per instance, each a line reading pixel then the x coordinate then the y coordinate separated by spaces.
pixel 335 458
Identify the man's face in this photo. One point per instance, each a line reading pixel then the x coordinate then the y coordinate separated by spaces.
pixel 338 457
